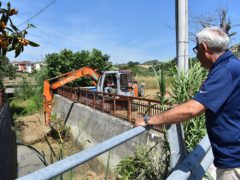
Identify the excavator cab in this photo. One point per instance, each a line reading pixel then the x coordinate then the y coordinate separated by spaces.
pixel 114 82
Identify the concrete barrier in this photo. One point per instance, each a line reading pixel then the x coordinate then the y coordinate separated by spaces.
pixel 89 126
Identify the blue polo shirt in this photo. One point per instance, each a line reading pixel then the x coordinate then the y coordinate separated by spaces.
pixel 220 94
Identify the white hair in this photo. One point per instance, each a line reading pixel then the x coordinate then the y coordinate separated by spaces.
pixel 214 37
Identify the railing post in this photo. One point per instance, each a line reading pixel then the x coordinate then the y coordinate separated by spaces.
pixel 149 104
pixel 129 115
pixel 103 102
pixel 177 144
pixel 94 100
pixel 80 95
pixel 114 105
pixel 86 97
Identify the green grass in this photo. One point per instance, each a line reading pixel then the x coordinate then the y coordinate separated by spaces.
pixel 23 107
pixel 151 82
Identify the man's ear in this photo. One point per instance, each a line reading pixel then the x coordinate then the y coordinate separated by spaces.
pixel 206 48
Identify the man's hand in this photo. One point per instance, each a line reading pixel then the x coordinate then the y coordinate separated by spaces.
pixel 140 122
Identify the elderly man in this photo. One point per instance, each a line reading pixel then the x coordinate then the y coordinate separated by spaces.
pixel 219 98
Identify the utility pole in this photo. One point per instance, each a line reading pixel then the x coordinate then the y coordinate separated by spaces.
pixel 175 131
pixel 182 34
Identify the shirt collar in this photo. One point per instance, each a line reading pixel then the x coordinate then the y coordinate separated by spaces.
pixel 222 58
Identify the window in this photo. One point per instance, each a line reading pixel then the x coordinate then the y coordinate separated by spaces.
pixel 124 82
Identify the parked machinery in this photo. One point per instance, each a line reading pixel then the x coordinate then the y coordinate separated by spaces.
pixel 114 82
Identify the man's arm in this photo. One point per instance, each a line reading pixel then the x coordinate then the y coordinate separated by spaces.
pixel 180 113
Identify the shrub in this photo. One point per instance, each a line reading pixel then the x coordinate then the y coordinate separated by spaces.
pixel 183 87
pixel 25 90
pixel 144 164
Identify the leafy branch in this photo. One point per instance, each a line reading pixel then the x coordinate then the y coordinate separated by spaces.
pixel 11 38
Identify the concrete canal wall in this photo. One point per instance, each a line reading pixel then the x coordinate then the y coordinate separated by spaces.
pixel 89 126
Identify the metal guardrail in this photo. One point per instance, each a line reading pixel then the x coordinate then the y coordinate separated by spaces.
pixel 70 162
pixel 125 107
pixel 16 82
pixel 2 110
pixel 195 164
pixel 8 155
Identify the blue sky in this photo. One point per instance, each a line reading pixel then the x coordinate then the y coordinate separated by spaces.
pixel 127 30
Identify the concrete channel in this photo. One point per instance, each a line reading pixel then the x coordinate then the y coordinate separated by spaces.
pixel 89 127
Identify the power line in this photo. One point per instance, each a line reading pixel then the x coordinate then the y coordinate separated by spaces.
pixel 39 12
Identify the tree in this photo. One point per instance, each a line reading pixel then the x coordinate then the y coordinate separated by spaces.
pixel 66 61
pixel 220 19
pixel 131 63
pixel 11 39
pixel 6 69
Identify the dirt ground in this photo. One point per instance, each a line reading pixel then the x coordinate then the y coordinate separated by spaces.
pixel 32 131
pixel 31 128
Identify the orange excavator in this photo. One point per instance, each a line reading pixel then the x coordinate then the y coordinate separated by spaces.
pixel 121 84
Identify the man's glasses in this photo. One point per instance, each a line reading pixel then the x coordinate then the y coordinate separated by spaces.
pixel 195 49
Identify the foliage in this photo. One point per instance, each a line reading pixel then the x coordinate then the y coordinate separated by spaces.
pixel 1 85
pixel 144 164
pixel 6 69
pixel 151 62
pixel 11 38
pixel 23 107
pixel 162 85
pixel 236 50
pixel 184 87
pixel 131 63
pixel 24 90
pixel 40 76
pixel 163 100
pixel 167 67
pixel 27 98
pixel 66 61
pixel 59 131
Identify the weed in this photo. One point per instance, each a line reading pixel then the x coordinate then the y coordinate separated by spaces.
pixel 144 164
pixel 24 90
pixel 184 86
pixel 23 107
pixel 147 164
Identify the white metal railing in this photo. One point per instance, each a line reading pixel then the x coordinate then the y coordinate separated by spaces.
pixel 193 166
pixel 70 162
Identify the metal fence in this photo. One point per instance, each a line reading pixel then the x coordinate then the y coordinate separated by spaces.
pixel 193 166
pixel 17 81
pixel 75 160
pixel 8 149
pixel 125 107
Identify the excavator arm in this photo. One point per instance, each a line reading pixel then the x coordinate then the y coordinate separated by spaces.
pixel 63 79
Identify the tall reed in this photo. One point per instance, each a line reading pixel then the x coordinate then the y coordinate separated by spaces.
pixel 183 87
